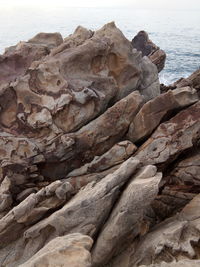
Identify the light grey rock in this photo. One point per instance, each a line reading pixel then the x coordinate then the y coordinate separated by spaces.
pixel 127 218
pixel 67 251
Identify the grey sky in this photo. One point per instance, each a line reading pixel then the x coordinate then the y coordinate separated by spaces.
pixel 172 4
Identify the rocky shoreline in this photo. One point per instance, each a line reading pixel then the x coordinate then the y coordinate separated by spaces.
pixel 99 162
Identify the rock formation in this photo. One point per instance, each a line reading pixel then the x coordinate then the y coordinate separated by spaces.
pixel 98 167
pixel 142 43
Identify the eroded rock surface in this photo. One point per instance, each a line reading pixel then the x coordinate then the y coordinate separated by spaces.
pixel 142 43
pixel 74 189
pixel 151 114
pixel 172 137
pixel 70 250
pixel 171 240
pixel 127 219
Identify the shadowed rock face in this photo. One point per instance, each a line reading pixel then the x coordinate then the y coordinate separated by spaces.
pixel 142 43
pixel 74 190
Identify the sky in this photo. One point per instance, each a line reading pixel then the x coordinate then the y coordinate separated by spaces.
pixel 169 4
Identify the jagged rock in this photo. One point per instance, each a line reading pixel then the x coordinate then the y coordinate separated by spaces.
pixel 61 93
pixel 66 109
pixel 84 213
pixel 76 148
pixel 142 43
pixel 93 139
pixel 175 238
pixel 193 80
pixel 171 200
pixel 17 59
pixel 158 58
pixel 179 186
pixel 66 251
pixel 51 40
pixel 79 36
pixel 5 194
pixel 33 209
pixel 181 263
pixel 187 171
pixel 151 114
pixel 116 155
pixel 79 181
pixel 71 88
pixel 127 218
pixel 172 137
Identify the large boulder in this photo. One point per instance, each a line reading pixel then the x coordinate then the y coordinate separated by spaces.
pixel 142 43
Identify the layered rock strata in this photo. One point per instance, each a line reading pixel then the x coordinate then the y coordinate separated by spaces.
pixel 97 167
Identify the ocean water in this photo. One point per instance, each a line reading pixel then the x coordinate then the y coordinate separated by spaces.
pixel 175 31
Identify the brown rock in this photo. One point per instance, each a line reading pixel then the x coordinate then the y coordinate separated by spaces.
pixel 193 80
pixel 17 59
pixel 51 40
pixel 93 139
pixel 79 36
pixel 151 114
pixel 172 137
pixel 142 43
pixel 175 238
pixel 116 155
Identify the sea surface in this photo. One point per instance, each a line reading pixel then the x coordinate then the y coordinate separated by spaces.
pixel 175 31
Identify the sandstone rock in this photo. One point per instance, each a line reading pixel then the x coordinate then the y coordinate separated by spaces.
pixel 187 171
pixel 51 106
pixel 17 59
pixel 51 40
pixel 93 139
pixel 158 58
pixel 116 155
pixel 84 213
pixel 151 114
pixel 32 209
pixel 193 80
pixel 84 78
pixel 179 186
pixel 127 218
pixel 149 86
pixel 69 250
pixel 79 181
pixel 79 36
pixel 172 137
pixel 5 194
pixel 174 239
pixel 171 200
pixel 142 43
pixel 181 263
pixel 66 109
